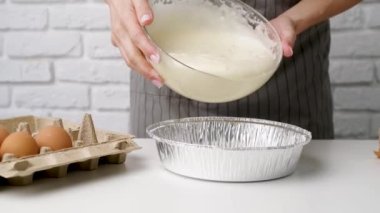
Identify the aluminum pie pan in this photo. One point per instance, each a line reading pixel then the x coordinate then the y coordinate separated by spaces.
pixel 229 149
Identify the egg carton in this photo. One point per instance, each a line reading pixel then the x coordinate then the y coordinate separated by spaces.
pixel 90 147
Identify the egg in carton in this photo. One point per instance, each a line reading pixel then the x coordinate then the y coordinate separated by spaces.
pixel 88 147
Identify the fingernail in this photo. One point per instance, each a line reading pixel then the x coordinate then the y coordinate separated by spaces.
pixel 155 58
pixel 145 18
pixel 157 83
pixel 291 51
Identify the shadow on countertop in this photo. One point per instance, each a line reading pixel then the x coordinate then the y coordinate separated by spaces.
pixel 308 166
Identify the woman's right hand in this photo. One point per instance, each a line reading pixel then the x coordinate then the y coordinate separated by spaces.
pixel 128 17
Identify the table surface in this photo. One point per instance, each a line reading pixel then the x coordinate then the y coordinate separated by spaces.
pixel 332 176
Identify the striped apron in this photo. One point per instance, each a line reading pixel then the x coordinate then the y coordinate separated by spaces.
pixel 298 93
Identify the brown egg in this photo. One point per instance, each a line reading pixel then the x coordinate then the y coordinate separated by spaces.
pixel 54 137
pixel 3 134
pixel 20 144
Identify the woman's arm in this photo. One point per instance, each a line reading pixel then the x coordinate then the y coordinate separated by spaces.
pixel 310 12
pixel 304 15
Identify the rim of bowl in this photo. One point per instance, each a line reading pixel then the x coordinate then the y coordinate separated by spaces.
pixel 151 128
pixel 246 6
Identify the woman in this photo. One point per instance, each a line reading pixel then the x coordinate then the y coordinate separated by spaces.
pixel 299 92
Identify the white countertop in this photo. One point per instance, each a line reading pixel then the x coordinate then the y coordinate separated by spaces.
pixel 332 176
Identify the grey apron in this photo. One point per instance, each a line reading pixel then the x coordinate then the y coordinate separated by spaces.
pixel 299 93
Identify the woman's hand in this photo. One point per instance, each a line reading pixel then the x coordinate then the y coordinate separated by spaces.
pixel 305 14
pixel 286 30
pixel 128 17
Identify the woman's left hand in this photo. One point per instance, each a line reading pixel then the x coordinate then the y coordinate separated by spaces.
pixel 287 32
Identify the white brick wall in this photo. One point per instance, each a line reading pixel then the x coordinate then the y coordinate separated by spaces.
pixel 91 71
pixel 23 18
pixel 1 44
pixel 4 94
pixel 43 44
pixel 110 98
pixel 79 17
pixel 24 71
pixel 355 71
pixel 56 59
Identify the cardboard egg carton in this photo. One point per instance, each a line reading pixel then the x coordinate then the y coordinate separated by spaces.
pixel 90 146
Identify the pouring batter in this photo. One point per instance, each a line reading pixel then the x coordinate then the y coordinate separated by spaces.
pixel 299 93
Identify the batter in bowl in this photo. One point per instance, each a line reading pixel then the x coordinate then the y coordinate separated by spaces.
pixel 226 46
